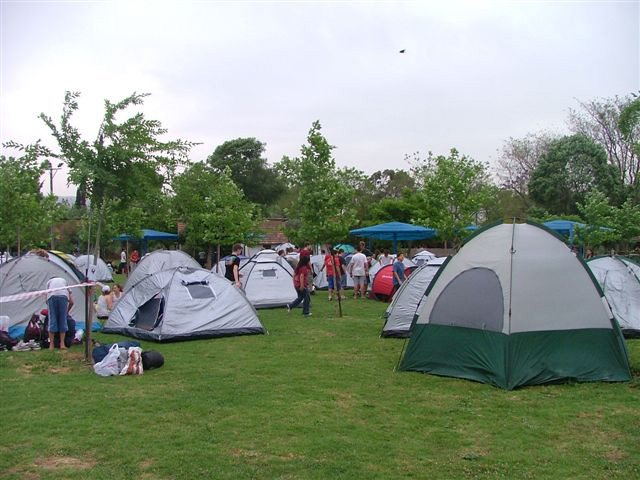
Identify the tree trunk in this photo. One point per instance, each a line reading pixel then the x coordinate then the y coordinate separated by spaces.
pixel 209 255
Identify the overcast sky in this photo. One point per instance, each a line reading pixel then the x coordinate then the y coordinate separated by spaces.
pixel 473 73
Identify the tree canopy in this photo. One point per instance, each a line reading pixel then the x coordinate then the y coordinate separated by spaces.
pixel 248 169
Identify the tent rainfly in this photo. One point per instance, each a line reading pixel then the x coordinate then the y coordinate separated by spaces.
pixel 515 307
pixel 619 278
pixel 394 231
pixel 183 303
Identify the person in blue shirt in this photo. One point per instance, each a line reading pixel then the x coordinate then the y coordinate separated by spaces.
pixel 398 272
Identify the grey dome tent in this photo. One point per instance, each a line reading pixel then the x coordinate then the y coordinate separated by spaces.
pixel 619 278
pixel 267 280
pixel 515 307
pixel 99 272
pixel 30 273
pixel 183 303
pixel 407 300
pixel 160 260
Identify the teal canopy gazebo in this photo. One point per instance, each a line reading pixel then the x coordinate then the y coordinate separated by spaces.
pixel 395 231
pixel 147 235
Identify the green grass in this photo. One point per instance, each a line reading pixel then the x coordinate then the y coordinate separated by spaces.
pixel 317 398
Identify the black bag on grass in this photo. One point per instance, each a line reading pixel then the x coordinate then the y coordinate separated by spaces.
pixel 151 360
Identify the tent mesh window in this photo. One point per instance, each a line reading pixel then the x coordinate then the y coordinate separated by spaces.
pixel 199 290
pixel 473 299
pixel 269 273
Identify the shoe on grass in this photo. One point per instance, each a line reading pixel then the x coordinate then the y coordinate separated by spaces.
pixel 307 314
pixel 21 347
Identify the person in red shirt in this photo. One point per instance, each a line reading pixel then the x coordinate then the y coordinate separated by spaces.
pixel 333 279
pixel 301 284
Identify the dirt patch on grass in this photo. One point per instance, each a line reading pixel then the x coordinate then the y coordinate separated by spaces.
pixel 69 463
pixel 615 455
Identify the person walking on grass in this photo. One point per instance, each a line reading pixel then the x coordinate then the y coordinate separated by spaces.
pixel 398 272
pixel 301 284
pixel 359 270
pixel 331 259
pixel 57 305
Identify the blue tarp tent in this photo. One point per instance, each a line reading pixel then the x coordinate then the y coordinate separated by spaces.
pixel 395 231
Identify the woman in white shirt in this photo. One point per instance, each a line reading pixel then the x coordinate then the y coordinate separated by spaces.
pixel 104 304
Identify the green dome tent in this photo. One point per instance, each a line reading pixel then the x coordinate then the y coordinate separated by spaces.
pixel 515 307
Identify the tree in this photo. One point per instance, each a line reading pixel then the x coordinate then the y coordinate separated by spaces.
pixel 600 121
pixel 213 207
pixel 573 166
pixel 519 158
pixel 127 162
pixel 599 218
pixel 455 192
pixel 323 210
pixel 249 171
pixel 627 222
pixel 25 215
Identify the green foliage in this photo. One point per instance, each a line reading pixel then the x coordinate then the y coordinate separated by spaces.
pixel 213 207
pixel 455 192
pixel 324 209
pixel 571 168
pixel 25 215
pixel 627 222
pixel 599 218
pixel 249 171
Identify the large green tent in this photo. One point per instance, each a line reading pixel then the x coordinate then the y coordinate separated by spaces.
pixel 515 307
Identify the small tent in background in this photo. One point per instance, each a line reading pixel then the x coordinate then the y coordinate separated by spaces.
pixel 160 260
pixel 221 267
pixel 619 278
pixel 99 272
pixel 515 307
pixel 30 273
pixel 373 271
pixel 320 274
pixel 382 286
pixel 407 300
pixel 66 262
pixel 423 257
pixel 183 304
pixel 267 280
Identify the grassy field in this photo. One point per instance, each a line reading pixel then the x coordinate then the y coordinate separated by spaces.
pixel 317 398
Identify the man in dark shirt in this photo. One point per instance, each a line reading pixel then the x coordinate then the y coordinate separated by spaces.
pixel 232 266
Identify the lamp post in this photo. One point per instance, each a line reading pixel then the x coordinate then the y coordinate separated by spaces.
pixel 52 171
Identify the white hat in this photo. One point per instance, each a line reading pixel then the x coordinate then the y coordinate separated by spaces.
pixel 106 289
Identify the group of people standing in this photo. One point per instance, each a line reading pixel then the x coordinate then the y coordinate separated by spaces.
pixel 336 268
pixel 134 258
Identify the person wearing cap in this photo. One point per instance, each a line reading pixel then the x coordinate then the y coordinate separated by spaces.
pixel 58 305
pixel 104 305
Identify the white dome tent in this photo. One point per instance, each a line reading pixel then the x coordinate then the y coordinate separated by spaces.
pixel 407 300
pixel 267 280
pixel 99 272
pixel 619 278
